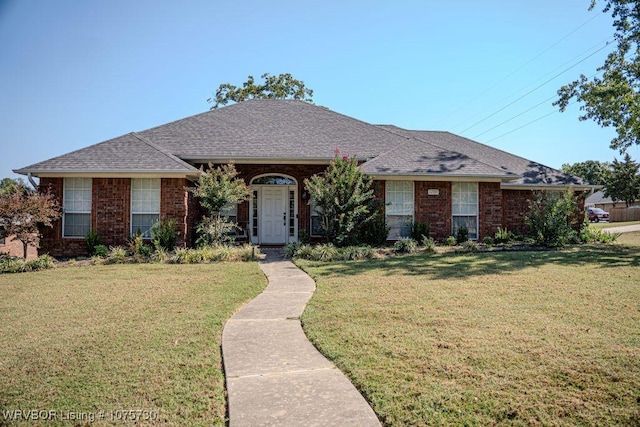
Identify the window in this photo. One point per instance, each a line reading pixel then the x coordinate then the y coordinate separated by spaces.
pixel 254 218
pixel 231 214
pixel 465 207
pixel 399 208
pixel 76 207
pixel 316 220
pixel 145 204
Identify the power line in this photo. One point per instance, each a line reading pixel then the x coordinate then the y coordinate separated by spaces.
pixel 526 63
pixel 526 124
pixel 534 89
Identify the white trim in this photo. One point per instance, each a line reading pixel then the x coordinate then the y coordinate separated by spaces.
pixel 288 239
pixel 477 215
pixel 549 187
pixel 261 160
pixel 113 174
pixel 413 203
pixel 65 211
pixel 132 213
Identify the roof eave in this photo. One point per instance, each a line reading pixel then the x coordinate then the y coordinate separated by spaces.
pixel 556 186
pixel 107 173
pixel 442 177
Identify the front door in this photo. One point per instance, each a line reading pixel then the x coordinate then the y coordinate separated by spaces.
pixel 273 215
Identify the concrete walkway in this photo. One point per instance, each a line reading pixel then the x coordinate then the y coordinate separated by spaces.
pixel 275 376
pixel 623 229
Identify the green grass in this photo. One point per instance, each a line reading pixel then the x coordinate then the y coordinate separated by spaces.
pixel 121 337
pixel 549 337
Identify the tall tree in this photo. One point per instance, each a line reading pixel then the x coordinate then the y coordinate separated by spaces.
pixel 282 86
pixel 23 211
pixel 592 171
pixel 614 98
pixel 623 182
pixel 217 189
pixel 344 197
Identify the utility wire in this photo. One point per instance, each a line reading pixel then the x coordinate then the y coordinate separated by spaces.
pixel 525 64
pixel 534 89
pixel 526 124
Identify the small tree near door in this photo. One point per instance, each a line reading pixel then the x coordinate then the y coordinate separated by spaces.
pixel 344 197
pixel 217 189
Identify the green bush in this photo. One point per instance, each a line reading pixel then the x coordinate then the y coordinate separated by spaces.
pixel 503 235
pixel 462 235
pixel 328 252
pixel 405 245
pixel 551 218
pixel 375 232
pixel 101 251
pixel 92 241
pixel 117 255
pixel 597 235
pixel 215 230
pixel 468 246
pixel 214 253
pixel 163 234
pixel 420 230
pixel 20 265
pixel 488 240
pixel 450 241
pixel 429 244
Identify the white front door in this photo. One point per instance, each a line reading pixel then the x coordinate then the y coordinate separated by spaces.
pixel 273 215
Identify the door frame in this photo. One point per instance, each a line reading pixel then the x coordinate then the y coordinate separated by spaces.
pixel 290 214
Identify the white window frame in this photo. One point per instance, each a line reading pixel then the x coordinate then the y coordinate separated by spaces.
pixel 229 212
pixel 475 205
pixel 392 209
pixel 146 210
pixel 70 184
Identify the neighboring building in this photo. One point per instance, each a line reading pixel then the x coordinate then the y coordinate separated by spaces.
pixel 125 184
pixel 618 211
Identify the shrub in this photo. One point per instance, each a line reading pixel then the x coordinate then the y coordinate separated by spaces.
pixel 503 235
pixel 405 245
pixel 100 251
pixel 551 218
pixel 117 255
pixel 468 246
pixel 352 253
pixel 429 244
pixel 597 235
pixel 325 252
pixel 20 265
pixel 163 234
pixel 420 230
pixel 488 240
pixel 462 234
pixel 450 241
pixel 375 232
pixel 214 231
pixel 343 196
pixel 92 240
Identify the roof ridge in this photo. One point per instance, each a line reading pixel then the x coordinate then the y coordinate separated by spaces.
pixel 162 150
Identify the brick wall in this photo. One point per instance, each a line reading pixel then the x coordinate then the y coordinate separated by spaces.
pixel 175 204
pixel 111 209
pixel 489 208
pixel 436 209
pixel 515 205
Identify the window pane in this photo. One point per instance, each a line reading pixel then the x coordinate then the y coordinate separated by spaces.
pixel 469 221
pixel 141 223
pixel 145 197
pixel 316 226
pixel 77 225
pixel 399 198
pixel 399 226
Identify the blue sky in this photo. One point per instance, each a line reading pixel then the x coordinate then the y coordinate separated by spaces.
pixel 75 73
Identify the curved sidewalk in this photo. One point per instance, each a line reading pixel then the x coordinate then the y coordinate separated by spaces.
pixel 275 376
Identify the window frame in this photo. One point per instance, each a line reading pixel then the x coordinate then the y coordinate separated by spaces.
pixel 132 213
pixel 407 212
pixel 314 212
pixel 466 215
pixel 66 186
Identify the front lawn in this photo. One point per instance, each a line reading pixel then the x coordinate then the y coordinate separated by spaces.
pixel 549 337
pixel 107 339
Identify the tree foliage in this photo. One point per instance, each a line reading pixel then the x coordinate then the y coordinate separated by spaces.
pixel 282 86
pixel 23 211
pixel 623 182
pixel 553 217
pixel 344 198
pixel 592 171
pixel 614 98
pixel 217 189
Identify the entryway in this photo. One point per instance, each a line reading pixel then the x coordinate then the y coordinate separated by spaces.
pixel 273 209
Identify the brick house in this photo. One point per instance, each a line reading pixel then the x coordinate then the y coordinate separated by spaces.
pixel 125 184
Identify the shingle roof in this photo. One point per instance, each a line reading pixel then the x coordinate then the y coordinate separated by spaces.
pixel 530 172
pixel 290 130
pixel 127 153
